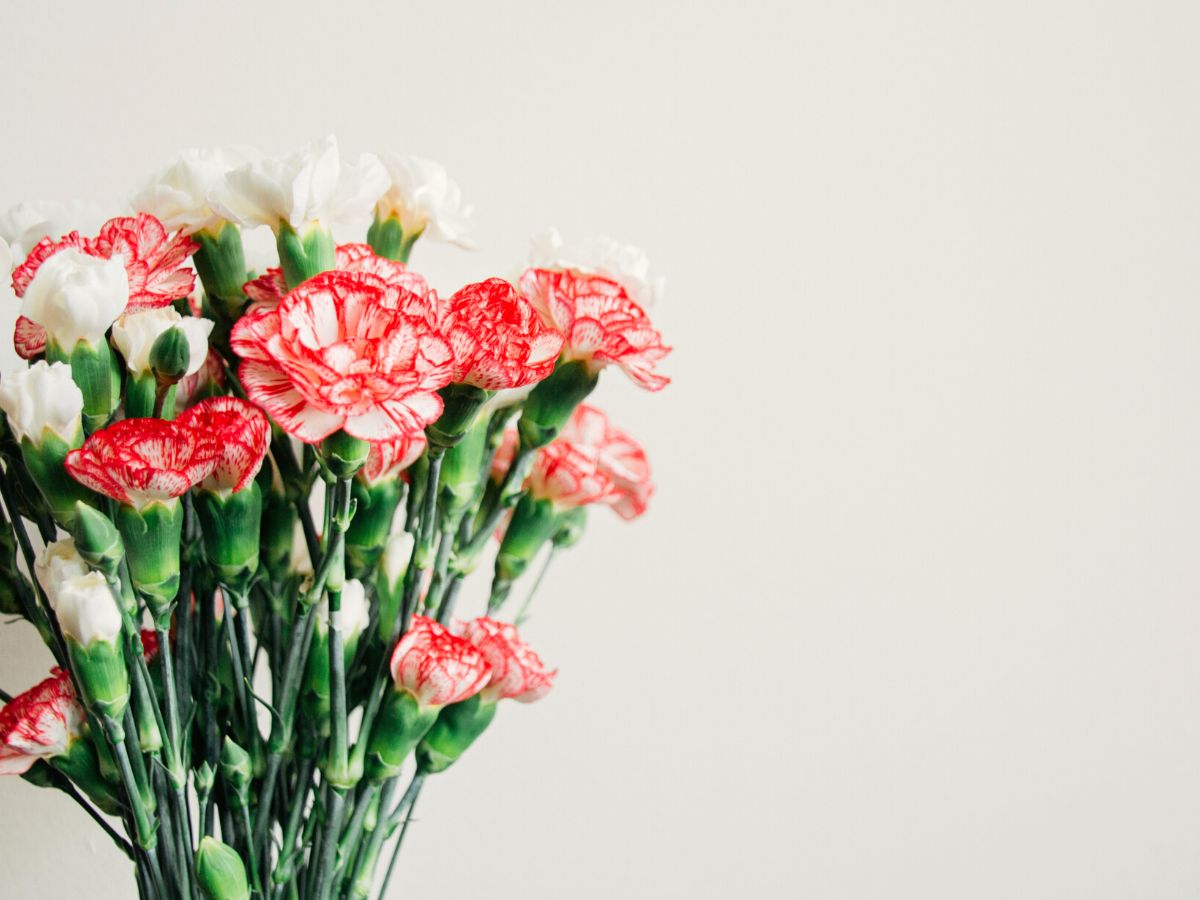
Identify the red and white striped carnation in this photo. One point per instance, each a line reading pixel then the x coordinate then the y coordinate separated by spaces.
pixel 569 474
pixel 39 724
pixel 437 667
pixel 599 322
pixel 620 457
pixel 141 461
pixel 239 434
pixel 155 262
pixel 344 351
pixel 517 672
pixel 498 339
pixel 387 459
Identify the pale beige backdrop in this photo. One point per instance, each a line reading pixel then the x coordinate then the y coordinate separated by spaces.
pixel 916 612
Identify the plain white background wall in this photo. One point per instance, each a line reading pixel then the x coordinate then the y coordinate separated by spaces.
pixel 916 612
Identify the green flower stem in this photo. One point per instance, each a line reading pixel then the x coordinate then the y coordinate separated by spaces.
pixel 358 880
pixel 420 561
pixel 446 610
pixel 329 843
pixel 337 769
pixel 537 583
pixel 348 845
pixel 242 808
pixel 506 497
pixel 37 613
pixel 146 837
pixel 440 566
pixel 285 868
pixel 60 781
pixel 244 660
pixel 411 795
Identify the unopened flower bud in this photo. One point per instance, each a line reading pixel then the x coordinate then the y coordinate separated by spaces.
pixel 236 767
pixel 220 871
pixel 97 539
pixel 171 356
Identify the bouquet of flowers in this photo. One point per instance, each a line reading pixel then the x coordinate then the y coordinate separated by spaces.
pixel 239 506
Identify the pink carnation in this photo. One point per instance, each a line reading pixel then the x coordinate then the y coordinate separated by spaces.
pixel 437 667
pixel 344 351
pixel 388 459
pixel 568 474
pixel 517 672
pixel 498 340
pixel 239 435
pixel 39 724
pixel 599 322
pixel 140 461
pixel 620 457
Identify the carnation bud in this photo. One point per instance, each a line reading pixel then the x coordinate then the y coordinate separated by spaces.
pixel 221 264
pixel 374 509
pixel 389 581
pixel 533 523
pixel 91 623
pixel 571 525
pixel 235 766
pixel 204 777
pixel 231 528
pixel 97 539
pixel 220 871
pixel 170 356
pixel 462 471
pixel 344 453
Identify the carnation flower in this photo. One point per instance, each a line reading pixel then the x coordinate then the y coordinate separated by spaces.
pixel 210 377
pixel 424 199
pixel 41 723
pixel 517 672
pixel 435 666
pixel 142 461
pixel 75 296
pixel 568 474
pixel 29 338
pixel 155 263
pixel 625 264
pixel 342 352
pixel 87 610
pixel 239 435
pixel 387 459
pixel 620 457
pixel 135 333
pixel 497 338
pixel 42 398
pixel 58 562
pixel 269 288
pixel 599 322
pixel 178 193
pixel 308 186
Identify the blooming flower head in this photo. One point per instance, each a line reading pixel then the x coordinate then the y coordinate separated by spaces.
pixel 435 666
pixel 74 297
pixel 599 323
pixel 568 474
pixel 497 338
pixel 23 225
pixel 178 193
pixel 41 399
pixel 154 263
pixel 625 264
pixel 135 333
pixel 41 723
pixel 142 461
pixel 238 433
pixel 308 186
pixel 424 199
pixel 343 351
pixel 517 672
pixel 387 459
pixel 620 457
pixel 268 289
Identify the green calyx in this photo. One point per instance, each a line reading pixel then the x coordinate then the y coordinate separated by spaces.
pixel 388 239
pixel 103 677
pixel 456 728
pixel 316 679
pixel 95 369
pixel 374 508
pixel 344 454
pixel 152 539
pixel 401 724
pixel 571 525
pixel 44 461
pixel 462 471
pixel 549 406
pixel 231 525
pixel 533 523
pixel 460 407
pixel 80 764
pixel 221 263
pixel 141 396
pixel 220 871
pixel 97 539
pixel 303 256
